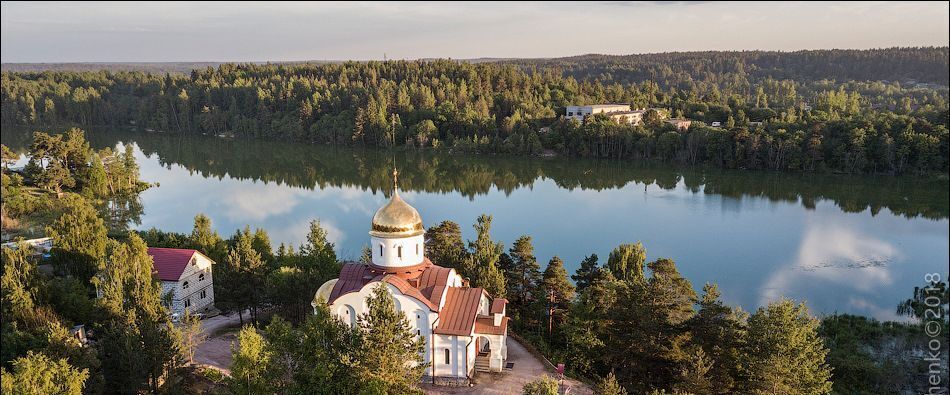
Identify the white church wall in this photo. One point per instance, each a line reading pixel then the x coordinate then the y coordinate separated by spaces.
pixel 398 252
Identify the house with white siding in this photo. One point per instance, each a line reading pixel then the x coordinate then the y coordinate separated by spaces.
pixel 187 282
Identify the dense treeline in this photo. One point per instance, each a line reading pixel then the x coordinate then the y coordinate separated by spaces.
pixel 927 65
pixel 310 166
pixel 816 118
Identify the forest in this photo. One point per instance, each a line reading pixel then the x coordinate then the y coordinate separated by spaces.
pixel 849 111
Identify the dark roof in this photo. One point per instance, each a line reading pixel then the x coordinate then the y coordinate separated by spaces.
pixel 458 314
pixel 170 263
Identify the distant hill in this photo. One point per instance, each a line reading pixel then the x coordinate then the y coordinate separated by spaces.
pixel 148 67
pixel 912 64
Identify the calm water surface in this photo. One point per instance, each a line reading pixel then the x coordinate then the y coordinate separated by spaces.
pixel 842 243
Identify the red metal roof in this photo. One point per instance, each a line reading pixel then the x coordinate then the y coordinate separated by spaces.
pixel 459 311
pixel 170 262
pixel 486 325
pixel 498 305
pixel 458 314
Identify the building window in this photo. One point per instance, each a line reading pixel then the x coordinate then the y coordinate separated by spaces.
pixel 201 277
pixel 184 285
pixel 418 333
pixel 188 302
pixel 204 293
pixel 380 250
pixel 447 357
pixel 399 252
pixel 417 248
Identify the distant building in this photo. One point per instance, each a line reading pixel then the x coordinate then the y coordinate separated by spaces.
pixel 186 278
pixel 620 113
pixel 680 123
pixel 716 124
pixel 40 246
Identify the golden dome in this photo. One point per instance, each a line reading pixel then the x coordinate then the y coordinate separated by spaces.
pixel 397 218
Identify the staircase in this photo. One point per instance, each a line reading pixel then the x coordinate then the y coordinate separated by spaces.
pixel 482 363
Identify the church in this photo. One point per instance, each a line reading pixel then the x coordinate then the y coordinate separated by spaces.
pixel 464 328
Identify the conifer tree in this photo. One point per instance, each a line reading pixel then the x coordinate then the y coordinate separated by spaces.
pixel 444 245
pixel 250 368
pixel 558 290
pixel 610 386
pixel 522 277
pixel 783 353
pixel 390 353
pixel 587 272
pixel 481 266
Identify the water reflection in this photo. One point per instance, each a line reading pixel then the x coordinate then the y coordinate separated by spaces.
pixel 843 243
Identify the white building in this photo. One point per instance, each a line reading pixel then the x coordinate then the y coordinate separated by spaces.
pixel 464 329
pixel 40 246
pixel 580 112
pixel 186 279
pixel 620 113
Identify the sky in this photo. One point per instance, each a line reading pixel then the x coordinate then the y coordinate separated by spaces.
pixel 242 32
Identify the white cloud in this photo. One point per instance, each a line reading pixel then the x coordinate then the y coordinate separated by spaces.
pixel 60 32
pixel 831 255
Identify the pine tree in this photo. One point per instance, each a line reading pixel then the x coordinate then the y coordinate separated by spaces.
pixel 251 363
pixel 610 386
pixel 783 353
pixel 481 266
pixel 558 290
pixel 586 274
pixel 648 334
pixel 390 355
pixel 522 277
pixel 444 244
pixel 718 330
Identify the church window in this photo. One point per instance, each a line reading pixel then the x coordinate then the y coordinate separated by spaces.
pixel 201 277
pixel 204 293
pixel 184 285
pixel 447 357
pixel 417 248
pixel 380 250
pixel 399 252
pixel 187 302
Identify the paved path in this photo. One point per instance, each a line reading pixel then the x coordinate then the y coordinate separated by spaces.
pixel 216 349
pixel 526 368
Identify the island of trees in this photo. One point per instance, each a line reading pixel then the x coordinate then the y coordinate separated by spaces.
pixel 874 111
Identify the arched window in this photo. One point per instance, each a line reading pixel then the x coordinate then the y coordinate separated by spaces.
pixel 201 277
pixel 184 285
pixel 447 361
pixel 399 252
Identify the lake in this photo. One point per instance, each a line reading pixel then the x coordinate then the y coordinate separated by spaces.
pixel 847 244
